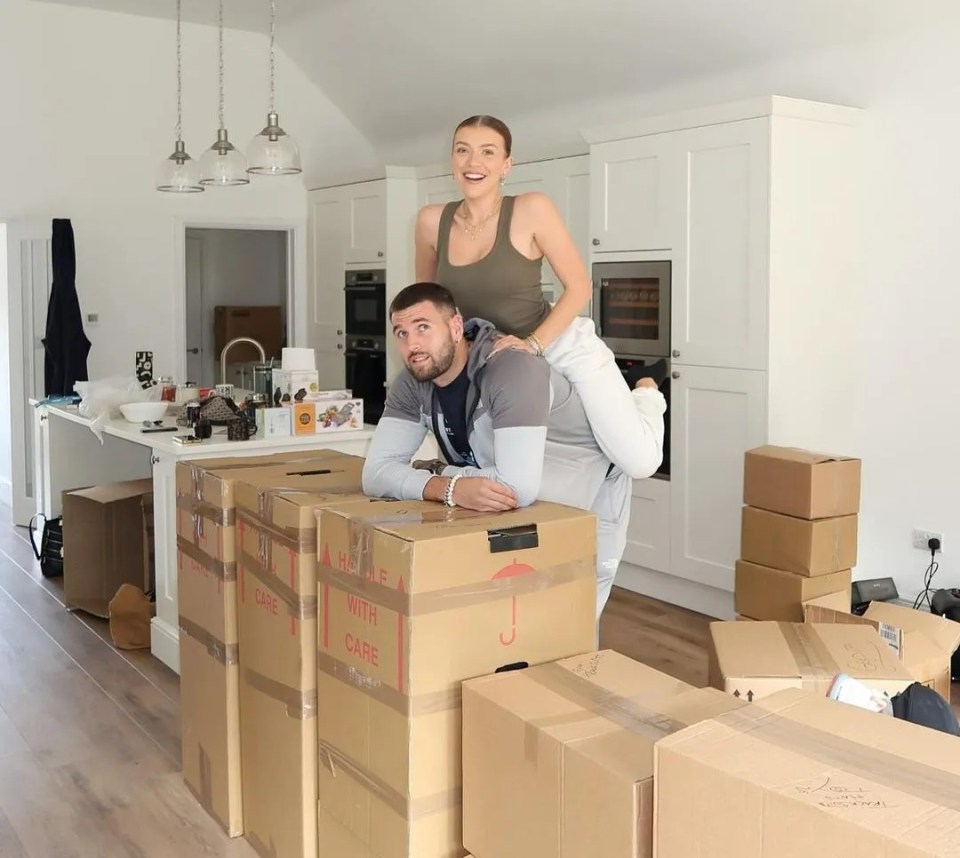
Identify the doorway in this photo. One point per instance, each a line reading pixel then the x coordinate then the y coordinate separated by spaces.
pixel 238 283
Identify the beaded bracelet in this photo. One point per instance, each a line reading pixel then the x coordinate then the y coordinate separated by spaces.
pixel 537 345
pixel 448 494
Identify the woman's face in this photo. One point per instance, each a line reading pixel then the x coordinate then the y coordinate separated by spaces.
pixel 479 160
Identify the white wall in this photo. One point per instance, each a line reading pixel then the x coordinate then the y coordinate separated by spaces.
pixel 240 268
pixel 89 114
pixel 6 463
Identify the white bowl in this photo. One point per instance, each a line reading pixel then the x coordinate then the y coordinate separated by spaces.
pixel 137 412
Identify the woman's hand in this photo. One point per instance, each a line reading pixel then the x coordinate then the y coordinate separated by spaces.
pixel 510 342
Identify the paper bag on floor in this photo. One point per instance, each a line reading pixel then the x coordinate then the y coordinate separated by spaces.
pixel 130 614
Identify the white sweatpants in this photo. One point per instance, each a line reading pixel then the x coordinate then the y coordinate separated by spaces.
pixel 627 424
pixel 612 508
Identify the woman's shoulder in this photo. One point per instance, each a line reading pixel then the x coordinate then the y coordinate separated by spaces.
pixel 428 221
pixel 533 204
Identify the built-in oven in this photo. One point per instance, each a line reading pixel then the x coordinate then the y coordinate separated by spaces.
pixel 366 374
pixel 365 302
pixel 631 306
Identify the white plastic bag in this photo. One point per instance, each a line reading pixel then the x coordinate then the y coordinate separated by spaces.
pixel 101 399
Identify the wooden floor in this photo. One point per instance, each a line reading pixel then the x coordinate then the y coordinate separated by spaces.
pixel 89 735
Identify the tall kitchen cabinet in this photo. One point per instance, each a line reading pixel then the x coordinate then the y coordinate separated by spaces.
pixel 757 206
pixel 566 181
pixel 357 226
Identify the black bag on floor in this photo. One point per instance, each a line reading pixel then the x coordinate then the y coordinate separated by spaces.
pixel 50 553
pixel 924 706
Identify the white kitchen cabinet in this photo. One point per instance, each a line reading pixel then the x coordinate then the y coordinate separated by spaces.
pixel 633 200
pixel 720 277
pixel 716 415
pixel 758 206
pixel 325 301
pixel 365 210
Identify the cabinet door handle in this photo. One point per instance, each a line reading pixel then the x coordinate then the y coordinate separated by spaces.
pixel 380 254
pixel 339 333
pixel 676 352
pixel 154 460
pixel 674 374
pixel 339 345
pixel 596 242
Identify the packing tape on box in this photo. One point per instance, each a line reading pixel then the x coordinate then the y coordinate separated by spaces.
pixel 814 660
pixel 842 756
pixel 301 540
pixel 205 509
pixel 226 654
pixel 221 569
pixel 409 706
pixel 594 701
pixel 301 705
pixel 298 606
pixel 452 598
pixel 335 762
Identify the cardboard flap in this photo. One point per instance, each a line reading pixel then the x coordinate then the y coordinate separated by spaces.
pixel 112 492
pixel 795 454
pixel 943 632
pixel 759 651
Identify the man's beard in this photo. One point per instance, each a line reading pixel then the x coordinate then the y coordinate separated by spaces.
pixel 437 364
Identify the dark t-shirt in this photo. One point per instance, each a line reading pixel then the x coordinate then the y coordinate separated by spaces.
pixel 452 400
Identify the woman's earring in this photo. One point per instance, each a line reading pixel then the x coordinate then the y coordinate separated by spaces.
pixel 503 179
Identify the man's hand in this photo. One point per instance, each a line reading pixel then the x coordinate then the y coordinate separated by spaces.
pixel 483 495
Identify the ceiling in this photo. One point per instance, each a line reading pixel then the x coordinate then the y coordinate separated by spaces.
pixel 405 69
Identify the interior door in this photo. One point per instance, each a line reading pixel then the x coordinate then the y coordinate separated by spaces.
pixel 196 347
pixel 29 277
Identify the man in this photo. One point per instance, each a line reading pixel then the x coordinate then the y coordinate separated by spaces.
pixel 512 430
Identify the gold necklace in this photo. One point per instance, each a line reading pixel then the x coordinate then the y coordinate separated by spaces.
pixel 474 230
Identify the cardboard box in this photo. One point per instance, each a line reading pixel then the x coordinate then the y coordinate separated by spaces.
pixel 923 641
pixel 753 660
pixel 103 543
pixel 416 598
pixel 558 758
pixel 801 483
pixel 797 775
pixel 796 544
pixel 277 623
pixel 769 594
pixel 207 597
pixel 335 415
pixel 295 385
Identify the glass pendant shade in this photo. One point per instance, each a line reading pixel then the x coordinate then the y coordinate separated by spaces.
pixel 273 152
pixel 179 174
pixel 222 164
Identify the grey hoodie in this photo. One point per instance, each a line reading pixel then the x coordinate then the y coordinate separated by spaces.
pixel 526 427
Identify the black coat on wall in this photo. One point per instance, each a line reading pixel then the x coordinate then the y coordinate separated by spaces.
pixel 65 343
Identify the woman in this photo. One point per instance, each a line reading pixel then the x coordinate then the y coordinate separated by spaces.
pixel 488 249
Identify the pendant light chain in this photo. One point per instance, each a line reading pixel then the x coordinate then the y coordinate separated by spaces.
pixel 220 36
pixel 179 80
pixel 273 15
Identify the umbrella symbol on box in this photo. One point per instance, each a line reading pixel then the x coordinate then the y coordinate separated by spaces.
pixel 512 571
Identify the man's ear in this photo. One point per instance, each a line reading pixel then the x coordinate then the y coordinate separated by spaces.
pixel 456 327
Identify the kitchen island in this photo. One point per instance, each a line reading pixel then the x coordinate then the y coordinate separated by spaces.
pixel 69 455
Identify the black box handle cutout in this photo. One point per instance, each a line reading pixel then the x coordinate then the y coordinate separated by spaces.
pixel 513 538
pixel 517 665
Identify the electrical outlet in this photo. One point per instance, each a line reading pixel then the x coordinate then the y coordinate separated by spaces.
pixel 921 538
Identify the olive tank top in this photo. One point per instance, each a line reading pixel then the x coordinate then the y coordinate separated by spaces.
pixel 503 287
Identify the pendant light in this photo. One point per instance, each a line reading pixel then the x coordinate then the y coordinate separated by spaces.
pixel 179 174
pixel 222 164
pixel 273 152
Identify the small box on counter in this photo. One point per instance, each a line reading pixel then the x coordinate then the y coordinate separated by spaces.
pixel 274 422
pixel 339 414
pixel 295 385
pixel 801 483
pixel 769 594
pixel 798 545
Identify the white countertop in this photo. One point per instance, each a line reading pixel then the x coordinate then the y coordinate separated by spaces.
pixel 162 441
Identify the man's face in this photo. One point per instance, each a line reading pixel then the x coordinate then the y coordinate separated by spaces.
pixel 426 339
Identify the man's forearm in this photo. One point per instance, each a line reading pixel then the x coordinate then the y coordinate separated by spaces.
pixel 387 471
pixel 518 461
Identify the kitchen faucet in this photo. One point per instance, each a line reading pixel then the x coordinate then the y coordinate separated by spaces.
pixel 231 344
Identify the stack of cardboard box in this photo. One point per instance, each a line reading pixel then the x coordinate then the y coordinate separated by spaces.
pixel 799 532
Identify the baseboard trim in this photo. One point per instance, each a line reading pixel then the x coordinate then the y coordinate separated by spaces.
pixel 676 591
pixel 165 643
pixel 6 492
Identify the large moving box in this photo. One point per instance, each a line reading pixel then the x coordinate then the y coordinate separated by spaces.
pixel 277 623
pixel 753 660
pixel 558 758
pixel 207 597
pixel 415 598
pixel 924 642
pixel 769 594
pixel 103 543
pixel 798 545
pixel 797 775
